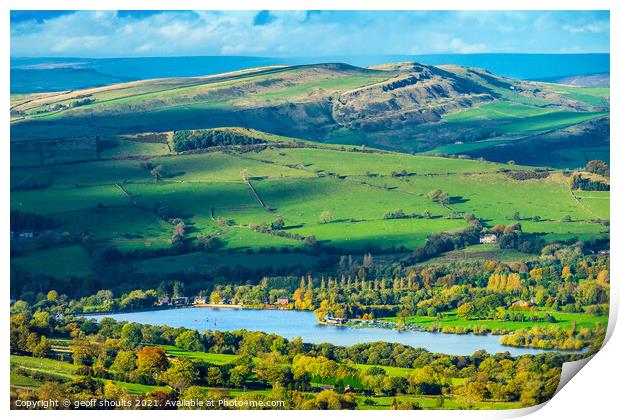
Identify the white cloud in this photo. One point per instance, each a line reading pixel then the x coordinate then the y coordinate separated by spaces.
pixel 593 27
pixel 292 33
pixel 457 45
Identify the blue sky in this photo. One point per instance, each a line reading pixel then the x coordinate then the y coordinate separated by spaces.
pixel 304 33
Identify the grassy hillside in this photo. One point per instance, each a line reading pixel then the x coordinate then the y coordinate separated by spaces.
pixel 404 107
pixel 339 196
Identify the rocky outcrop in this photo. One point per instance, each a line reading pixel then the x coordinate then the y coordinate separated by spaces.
pixel 417 94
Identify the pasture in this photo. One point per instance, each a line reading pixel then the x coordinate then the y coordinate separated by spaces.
pixel 495 197
pixel 377 163
pixel 62 261
pixel 219 166
pixel 564 320
pixel 511 118
pixel 59 370
pixel 338 195
pixel 380 234
pixel 207 263
pixel 51 201
pixel 214 358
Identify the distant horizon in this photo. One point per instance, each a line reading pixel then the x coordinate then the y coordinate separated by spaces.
pixel 52 57
pixel 42 71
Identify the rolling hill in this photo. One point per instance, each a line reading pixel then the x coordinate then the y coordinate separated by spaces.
pixel 281 170
pixel 130 192
pixel 407 107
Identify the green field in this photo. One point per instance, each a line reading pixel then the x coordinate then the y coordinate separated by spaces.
pixel 548 121
pixel 532 132
pixel 219 166
pixel 99 173
pixel 126 227
pixel 359 163
pixel 120 203
pixel 124 146
pixel 596 201
pixel 207 262
pixel 62 371
pixel 60 261
pixel 564 320
pixel 55 367
pixel 304 200
pixel 215 358
pixel 496 110
pixel 495 197
pixel 510 118
pixel 593 96
pixel 407 233
pixel 53 201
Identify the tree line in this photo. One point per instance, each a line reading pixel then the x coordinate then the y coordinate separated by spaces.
pixel 184 140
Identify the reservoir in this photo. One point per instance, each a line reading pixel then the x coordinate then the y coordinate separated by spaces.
pixel 292 324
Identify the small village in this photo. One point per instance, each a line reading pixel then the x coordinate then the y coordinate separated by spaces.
pixel 282 302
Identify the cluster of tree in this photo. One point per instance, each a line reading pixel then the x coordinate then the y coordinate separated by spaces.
pixel 102 301
pixel 480 307
pixel 439 196
pixel 184 140
pixel 209 242
pixel 439 243
pixel 520 316
pixel 579 181
pixel 554 337
pixel 400 214
pixel 402 172
pixel 598 167
pixel 204 242
pixel 178 232
pixel 82 102
pixel 525 175
pixel 276 228
pixel 513 237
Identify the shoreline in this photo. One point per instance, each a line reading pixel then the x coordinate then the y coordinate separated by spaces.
pixel 216 306
pixel 171 307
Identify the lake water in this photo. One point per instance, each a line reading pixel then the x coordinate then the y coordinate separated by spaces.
pixel 292 324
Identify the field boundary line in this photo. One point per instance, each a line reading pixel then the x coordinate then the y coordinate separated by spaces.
pixel 587 209
pixel 127 194
pixel 260 200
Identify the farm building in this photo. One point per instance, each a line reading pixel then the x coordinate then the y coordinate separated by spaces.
pixel 27 234
pixel 523 304
pixel 488 239
pixel 180 300
pixel 334 321
pixel 282 301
